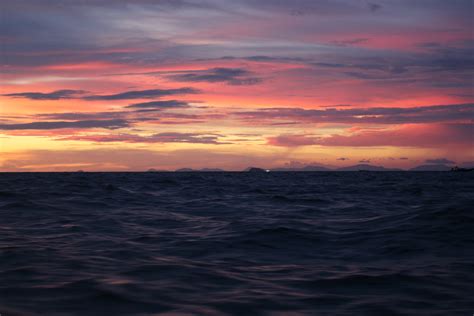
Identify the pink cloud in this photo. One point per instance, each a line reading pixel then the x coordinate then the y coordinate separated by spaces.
pixel 170 137
pixel 292 140
pixel 424 135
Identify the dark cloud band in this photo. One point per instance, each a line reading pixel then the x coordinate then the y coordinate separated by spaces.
pixel 143 94
pixel 80 94
pixel 159 105
pixel 55 95
pixel 107 124
pixel 377 115
pixel 232 76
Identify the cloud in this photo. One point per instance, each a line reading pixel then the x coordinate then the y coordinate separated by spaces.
pixel 347 42
pixel 440 161
pixel 159 105
pixel 232 76
pixel 158 115
pixel 292 140
pixel 116 4
pixel 79 94
pixel 108 124
pixel 143 94
pixel 330 65
pixel 81 116
pixel 452 62
pixel 376 115
pixel 55 95
pixel 433 135
pixel 373 7
pixel 364 161
pixel 189 138
pixel 342 159
pixel 263 58
pixel 301 8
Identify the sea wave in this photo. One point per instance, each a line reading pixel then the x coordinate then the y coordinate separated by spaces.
pixel 236 243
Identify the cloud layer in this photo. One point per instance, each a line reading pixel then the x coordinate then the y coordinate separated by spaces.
pixel 339 80
pixel 108 124
pixel 439 135
pixel 232 76
pixel 375 115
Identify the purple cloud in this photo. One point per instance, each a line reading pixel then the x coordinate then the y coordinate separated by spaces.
pixel 232 76
pixel 107 124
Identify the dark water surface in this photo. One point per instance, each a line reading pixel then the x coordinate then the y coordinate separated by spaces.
pixel 357 243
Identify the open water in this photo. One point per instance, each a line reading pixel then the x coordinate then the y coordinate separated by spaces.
pixel 322 243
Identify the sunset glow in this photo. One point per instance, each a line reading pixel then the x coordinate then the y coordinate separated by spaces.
pixel 134 85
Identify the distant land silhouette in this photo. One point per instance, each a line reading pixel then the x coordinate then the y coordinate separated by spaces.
pixel 156 170
pixel 366 167
pixel 200 170
pixel 432 167
pixel 320 168
pixel 458 169
pixel 256 170
pixel 306 168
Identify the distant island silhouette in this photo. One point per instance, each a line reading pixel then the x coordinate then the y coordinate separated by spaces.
pixel 256 170
pixel 367 167
pixel 458 169
pixel 432 167
pixel 320 168
pixel 200 170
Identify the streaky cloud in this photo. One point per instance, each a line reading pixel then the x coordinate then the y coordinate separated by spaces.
pixel 169 137
pixel 159 105
pixel 48 125
pixel 374 6
pixel 143 94
pixel 55 95
pixel 429 135
pixel 376 115
pixel 81 94
pixel 232 76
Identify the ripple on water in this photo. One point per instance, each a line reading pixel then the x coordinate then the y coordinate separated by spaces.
pixel 236 243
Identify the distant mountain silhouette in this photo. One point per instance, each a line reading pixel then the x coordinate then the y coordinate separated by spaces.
pixel 211 170
pixel 431 167
pixel 255 170
pixel 457 169
pixel 306 168
pixel 467 164
pixel 156 170
pixel 185 170
pixel 199 170
pixel 313 168
pixel 366 167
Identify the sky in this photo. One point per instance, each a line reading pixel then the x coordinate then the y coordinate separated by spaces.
pixel 115 85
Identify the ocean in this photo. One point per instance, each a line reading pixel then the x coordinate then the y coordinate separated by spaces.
pixel 281 243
